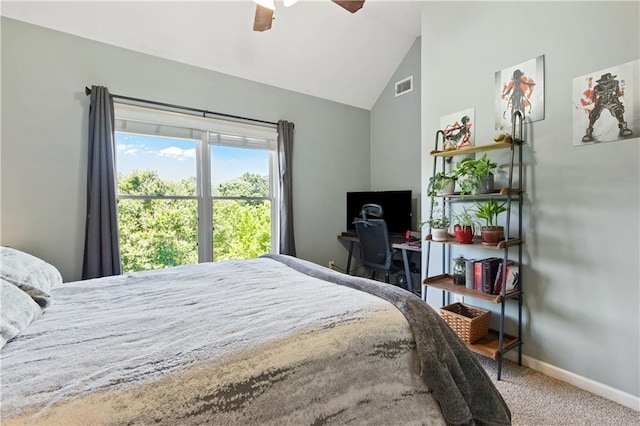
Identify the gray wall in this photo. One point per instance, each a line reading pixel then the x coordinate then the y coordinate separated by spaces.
pixel 395 134
pixel 44 138
pixel 581 223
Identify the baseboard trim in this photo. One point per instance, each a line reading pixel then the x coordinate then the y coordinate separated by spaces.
pixel 589 385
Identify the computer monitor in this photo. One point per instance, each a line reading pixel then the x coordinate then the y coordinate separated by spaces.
pixel 396 207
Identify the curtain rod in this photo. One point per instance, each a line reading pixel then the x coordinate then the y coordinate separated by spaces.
pixel 204 112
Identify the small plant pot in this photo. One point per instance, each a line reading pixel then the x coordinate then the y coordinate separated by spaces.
pixel 463 234
pixel 485 184
pixel 492 235
pixel 449 188
pixel 439 234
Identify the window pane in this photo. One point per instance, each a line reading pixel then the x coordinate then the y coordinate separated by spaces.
pixel 154 165
pixel 157 233
pixel 237 172
pixel 241 229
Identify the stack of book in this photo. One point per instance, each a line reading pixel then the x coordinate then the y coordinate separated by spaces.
pixel 487 275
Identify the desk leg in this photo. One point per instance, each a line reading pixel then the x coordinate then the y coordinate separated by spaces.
pixel 349 257
pixel 407 270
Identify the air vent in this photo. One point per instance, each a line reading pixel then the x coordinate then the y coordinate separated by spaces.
pixel 404 86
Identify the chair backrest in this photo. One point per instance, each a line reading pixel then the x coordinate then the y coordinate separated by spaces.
pixel 371 211
pixel 374 243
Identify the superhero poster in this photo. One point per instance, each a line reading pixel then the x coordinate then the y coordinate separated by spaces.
pixel 606 105
pixel 458 129
pixel 520 88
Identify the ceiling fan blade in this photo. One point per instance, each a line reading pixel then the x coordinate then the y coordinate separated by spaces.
pixel 351 5
pixel 263 19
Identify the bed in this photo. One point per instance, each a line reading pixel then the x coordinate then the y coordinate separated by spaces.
pixel 273 340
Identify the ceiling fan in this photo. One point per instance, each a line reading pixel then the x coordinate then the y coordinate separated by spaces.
pixel 265 9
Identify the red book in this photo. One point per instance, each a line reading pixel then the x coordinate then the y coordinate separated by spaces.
pixel 477 274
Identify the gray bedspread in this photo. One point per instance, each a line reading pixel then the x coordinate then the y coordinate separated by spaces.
pixel 450 370
pixel 263 341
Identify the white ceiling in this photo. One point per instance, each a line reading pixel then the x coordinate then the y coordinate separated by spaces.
pixel 314 47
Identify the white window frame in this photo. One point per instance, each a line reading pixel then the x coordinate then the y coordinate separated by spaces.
pixel 247 136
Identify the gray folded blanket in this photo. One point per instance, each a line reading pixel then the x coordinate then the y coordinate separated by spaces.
pixel 458 382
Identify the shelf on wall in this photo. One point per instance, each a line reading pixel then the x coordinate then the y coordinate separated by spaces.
pixel 445 282
pixel 474 149
pixel 488 345
pixel 500 194
pixel 477 243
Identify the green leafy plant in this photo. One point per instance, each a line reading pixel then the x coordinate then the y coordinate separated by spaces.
pixel 466 219
pixel 438 182
pixel 469 171
pixel 438 221
pixel 489 211
pixel 484 166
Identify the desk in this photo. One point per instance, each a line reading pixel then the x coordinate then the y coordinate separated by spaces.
pixel 404 247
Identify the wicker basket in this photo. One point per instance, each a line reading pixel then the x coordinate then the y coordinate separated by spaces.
pixel 469 322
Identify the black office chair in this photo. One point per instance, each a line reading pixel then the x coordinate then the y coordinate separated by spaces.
pixel 375 248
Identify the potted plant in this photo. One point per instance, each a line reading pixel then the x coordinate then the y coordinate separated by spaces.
pixel 484 171
pixel 441 184
pixel 475 176
pixel 439 224
pixel 465 226
pixel 491 234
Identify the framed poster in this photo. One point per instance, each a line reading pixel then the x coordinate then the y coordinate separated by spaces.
pixel 520 88
pixel 606 105
pixel 457 129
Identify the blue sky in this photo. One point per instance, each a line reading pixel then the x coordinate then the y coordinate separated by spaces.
pixel 175 159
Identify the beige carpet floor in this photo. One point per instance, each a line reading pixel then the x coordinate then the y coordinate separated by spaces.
pixel 539 400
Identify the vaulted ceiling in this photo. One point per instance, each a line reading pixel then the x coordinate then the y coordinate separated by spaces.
pixel 314 47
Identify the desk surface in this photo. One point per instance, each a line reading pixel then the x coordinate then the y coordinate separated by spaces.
pixel 412 246
pixel 405 245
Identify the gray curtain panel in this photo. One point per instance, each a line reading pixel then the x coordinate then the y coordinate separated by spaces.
pixel 285 155
pixel 101 244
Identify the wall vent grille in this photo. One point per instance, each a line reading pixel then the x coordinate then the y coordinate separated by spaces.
pixel 404 86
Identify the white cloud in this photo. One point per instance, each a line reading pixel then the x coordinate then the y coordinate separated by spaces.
pixel 127 149
pixel 178 153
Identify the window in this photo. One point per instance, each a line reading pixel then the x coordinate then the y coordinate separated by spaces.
pixel 193 189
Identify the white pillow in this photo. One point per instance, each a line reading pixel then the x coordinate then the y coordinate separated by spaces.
pixel 17 311
pixel 32 275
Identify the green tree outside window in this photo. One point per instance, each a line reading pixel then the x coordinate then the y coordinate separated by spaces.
pixel 158 233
